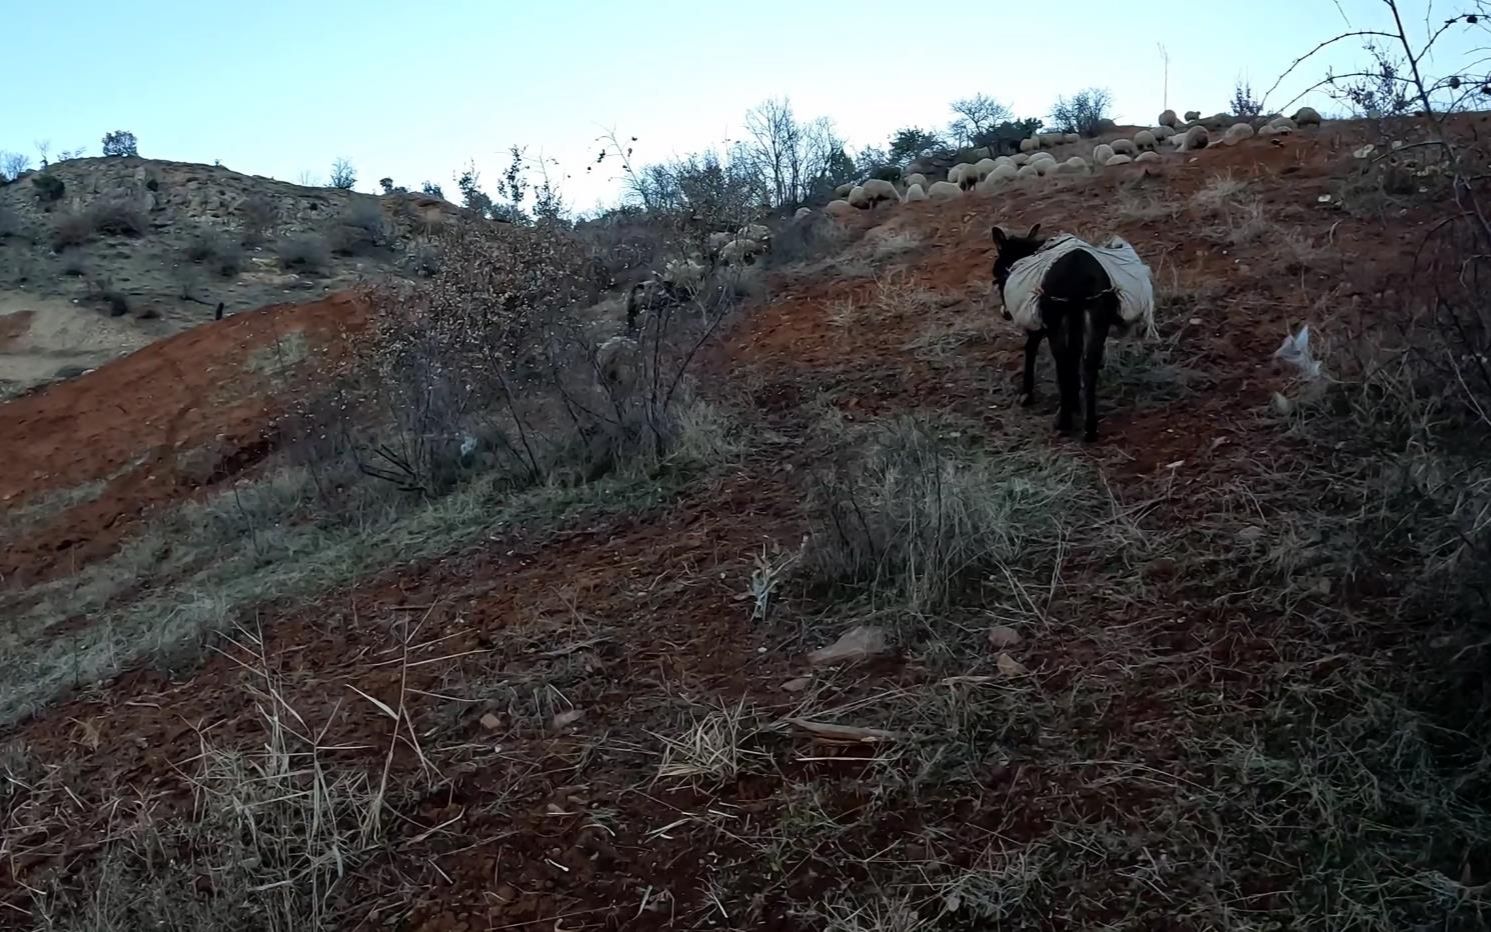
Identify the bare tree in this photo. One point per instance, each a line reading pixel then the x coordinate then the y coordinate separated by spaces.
pixel 1083 113
pixel 790 158
pixel 12 164
pixel 976 115
pixel 44 149
pixel 343 175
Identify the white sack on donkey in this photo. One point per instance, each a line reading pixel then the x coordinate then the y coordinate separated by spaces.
pixel 1128 273
pixel 1074 294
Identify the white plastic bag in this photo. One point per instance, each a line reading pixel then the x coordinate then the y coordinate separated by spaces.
pixel 1295 350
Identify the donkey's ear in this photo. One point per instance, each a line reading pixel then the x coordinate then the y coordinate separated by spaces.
pixel 1000 236
pixel 1033 231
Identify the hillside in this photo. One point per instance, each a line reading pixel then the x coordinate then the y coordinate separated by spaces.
pixel 1222 669
pixel 129 250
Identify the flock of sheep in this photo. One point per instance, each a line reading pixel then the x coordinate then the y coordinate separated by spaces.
pixel 1111 269
pixel 1034 161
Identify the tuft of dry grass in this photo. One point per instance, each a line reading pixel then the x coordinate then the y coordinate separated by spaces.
pixel 714 746
pixel 906 514
pixel 1218 192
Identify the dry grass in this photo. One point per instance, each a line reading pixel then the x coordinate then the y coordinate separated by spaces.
pixel 894 296
pixel 714 746
pixel 906 514
pixel 1218 192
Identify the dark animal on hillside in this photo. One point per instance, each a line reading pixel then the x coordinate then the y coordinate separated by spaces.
pixel 218 314
pixel 1078 306
pixel 652 295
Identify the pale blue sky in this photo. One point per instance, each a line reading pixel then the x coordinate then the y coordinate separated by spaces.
pixel 413 91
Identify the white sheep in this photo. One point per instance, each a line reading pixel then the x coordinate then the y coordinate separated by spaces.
pixel 802 212
pixel 916 178
pixel 683 276
pixel 1144 141
pixel 1004 171
pixel 943 190
pixel 1003 160
pixel 1076 165
pixel 1192 116
pixel 983 166
pixel 739 252
pixel 1049 140
pixel 875 191
pixel 843 190
pixel 616 363
pixel 1194 138
pixel 1161 133
pixel 717 241
pixel 1125 147
pixel 1168 119
pixel 1028 170
pixel 915 193
pixel 1101 153
pixel 759 232
pixel 1147 157
pixel 1029 145
pixel 1236 134
pixel 839 209
pixel 1071 137
pixel 1118 160
pixel 1273 129
pixel 963 175
pixel 1307 116
pixel 1021 159
pixel 1285 122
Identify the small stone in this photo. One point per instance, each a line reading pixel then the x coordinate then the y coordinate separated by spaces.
pixel 1001 636
pixel 491 722
pixel 797 685
pixel 565 719
pixel 856 644
pixel 1008 665
pixel 1250 534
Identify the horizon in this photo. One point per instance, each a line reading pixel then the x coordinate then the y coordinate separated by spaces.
pixel 686 93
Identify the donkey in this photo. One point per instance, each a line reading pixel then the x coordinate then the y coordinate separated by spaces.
pixel 1076 305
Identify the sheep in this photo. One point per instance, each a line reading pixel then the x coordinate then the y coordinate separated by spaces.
pixel 1071 137
pixel 943 190
pixel 717 241
pixel 1192 116
pixel 1050 140
pixel 982 167
pixel 616 363
pixel 1004 160
pixel 1161 133
pixel 1125 147
pixel 1194 138
pixel 1116 160
pixel 1236 134
pixel 1147 157
pixel 1144 141
pixel 1029 145
pixel 1072 293
pixel 1004 171
pixel 1076 165
pixel 1021 159
pixel 838 209
pixel 915 193
pixel 1285 122
pixel 1168 119
pixel 963 175
pixel 843 190
pixel 683 277
pixel 1028 170
pixel 801 213
pixel 756 231
pixel 1271 129
pixel 916 178
pixel 644 297
pixel 739 252
pixel 1101 153
pixel 1306 116
pixel 871 192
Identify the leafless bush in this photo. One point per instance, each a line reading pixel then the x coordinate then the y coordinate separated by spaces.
pixel 12 164
pixel 488 368
pixel 360 229
pixel 212 249
pixel 306 253
pixel 257 219
pixel 119 217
